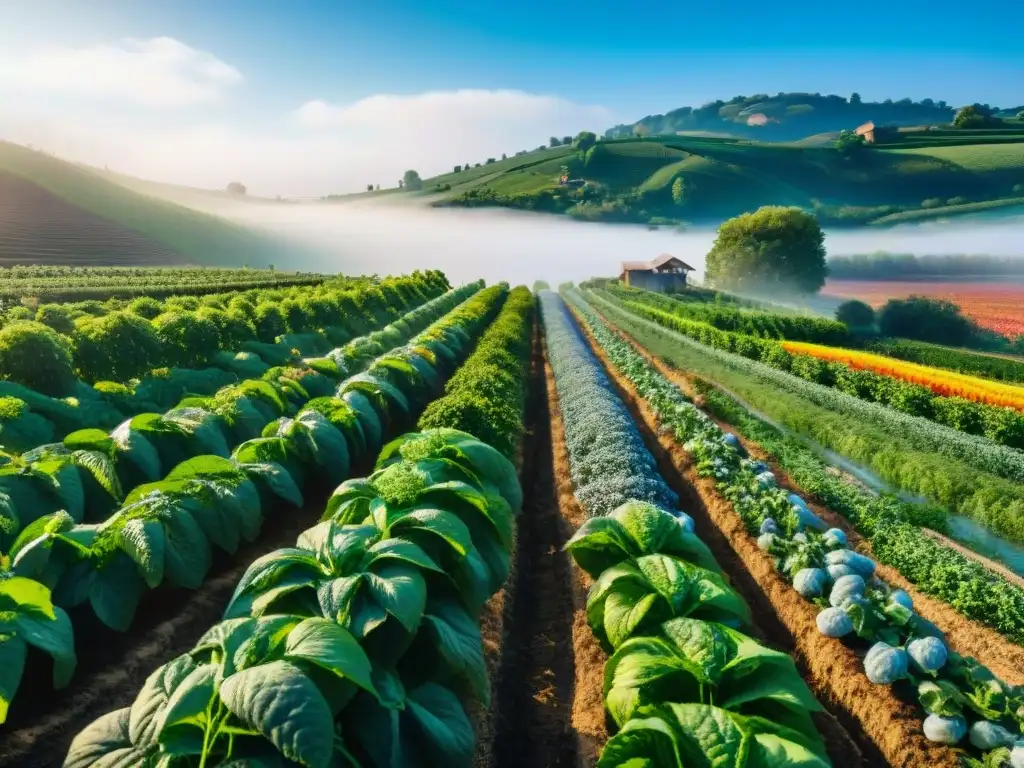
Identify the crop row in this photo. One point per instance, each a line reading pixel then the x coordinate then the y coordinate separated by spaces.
pixel 968 474
pixel 613 465
pixel 1002 425
pixel 96 344
pixel 891 525
pixel 67 283
pixel 683 684
pixel 383 596
pixel 90 472
pixel 941 382
pixel 728 317
pixel 355 647
pixel 29 418
pixel 166 532
pixel 958 694
pixel 487 396
pixel 961 361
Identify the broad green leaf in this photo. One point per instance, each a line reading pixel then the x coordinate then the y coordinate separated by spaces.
pixel 151 699
pixel 599 544
pixel 25 596
pixel 143 541
pixel 204 466
pixel 349 504
pixel 278 480
pixel 624 610
pixel 90 440
pixel 263 602
pixel 457 638
pixel 404 551
pixel 284 705
pixel 710 735
pixel 115 592
pixel 772 751
pixel 189 702
pixel 102 468
pixel 267 571
pixel 437 522
pixel 328 645
pixel 756 672
pixel 706 647
pixel 187 551
pixel 54 637
pixel 69 487
pixel 138 450
pixel 446 735
pixel 216 523
pixel 336 595
pixel 104 744
pixel 645 670
pixel 644 742
pixel 12 665
pixel 401 591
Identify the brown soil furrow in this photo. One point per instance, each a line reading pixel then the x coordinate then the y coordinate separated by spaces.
pixel 887 729
pixel 534 723
pixel 965 636
pixel 588 713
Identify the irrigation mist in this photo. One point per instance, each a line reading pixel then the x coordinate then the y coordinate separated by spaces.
pixel 361 237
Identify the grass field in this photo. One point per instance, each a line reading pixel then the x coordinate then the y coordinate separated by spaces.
pixel 198 238
pixel 727 176
pixel 975 157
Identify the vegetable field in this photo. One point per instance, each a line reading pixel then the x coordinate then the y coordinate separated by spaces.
pixel 392 522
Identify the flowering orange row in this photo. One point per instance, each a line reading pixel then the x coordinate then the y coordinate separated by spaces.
pixel 945 383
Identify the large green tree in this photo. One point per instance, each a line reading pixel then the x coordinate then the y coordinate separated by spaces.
pixel 775 248
pixel 585 140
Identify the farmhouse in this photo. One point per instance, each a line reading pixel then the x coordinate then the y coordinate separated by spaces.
pixel 867 131
pixel 665 274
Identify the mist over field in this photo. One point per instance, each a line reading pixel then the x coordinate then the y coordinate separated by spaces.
pixel 392 237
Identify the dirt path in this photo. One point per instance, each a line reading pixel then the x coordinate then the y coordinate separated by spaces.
pixel 868 725
pixel 539 678
pixel 967 637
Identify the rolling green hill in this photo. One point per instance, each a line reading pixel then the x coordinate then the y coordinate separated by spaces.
pixel 87 218
pixel 784 116
pixel 916 175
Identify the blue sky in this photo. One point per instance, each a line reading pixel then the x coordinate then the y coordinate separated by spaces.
pixel 598 62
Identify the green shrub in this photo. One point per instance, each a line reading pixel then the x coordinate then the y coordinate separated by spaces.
pixel 270 322
pixel 56 316
pixel 19 313
pixel 298 315
pixel 120 346
pixel 145 306
pixel 189 341
pixel 855 314
pixel 244 306
pixel 925 319
pixel 38 357
pixel 189 303
pixel 234 327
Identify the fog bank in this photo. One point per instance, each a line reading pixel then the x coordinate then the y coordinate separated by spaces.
pixel 371 236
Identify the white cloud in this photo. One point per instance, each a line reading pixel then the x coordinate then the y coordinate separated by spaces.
pixel 159 72
pixel 468 122
pixel 106 105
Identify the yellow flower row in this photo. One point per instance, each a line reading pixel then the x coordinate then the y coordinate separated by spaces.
pixel 946 383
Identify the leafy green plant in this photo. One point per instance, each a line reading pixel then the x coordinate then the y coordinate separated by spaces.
pixel 352 647
pixel 34 355
pixel 680 735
